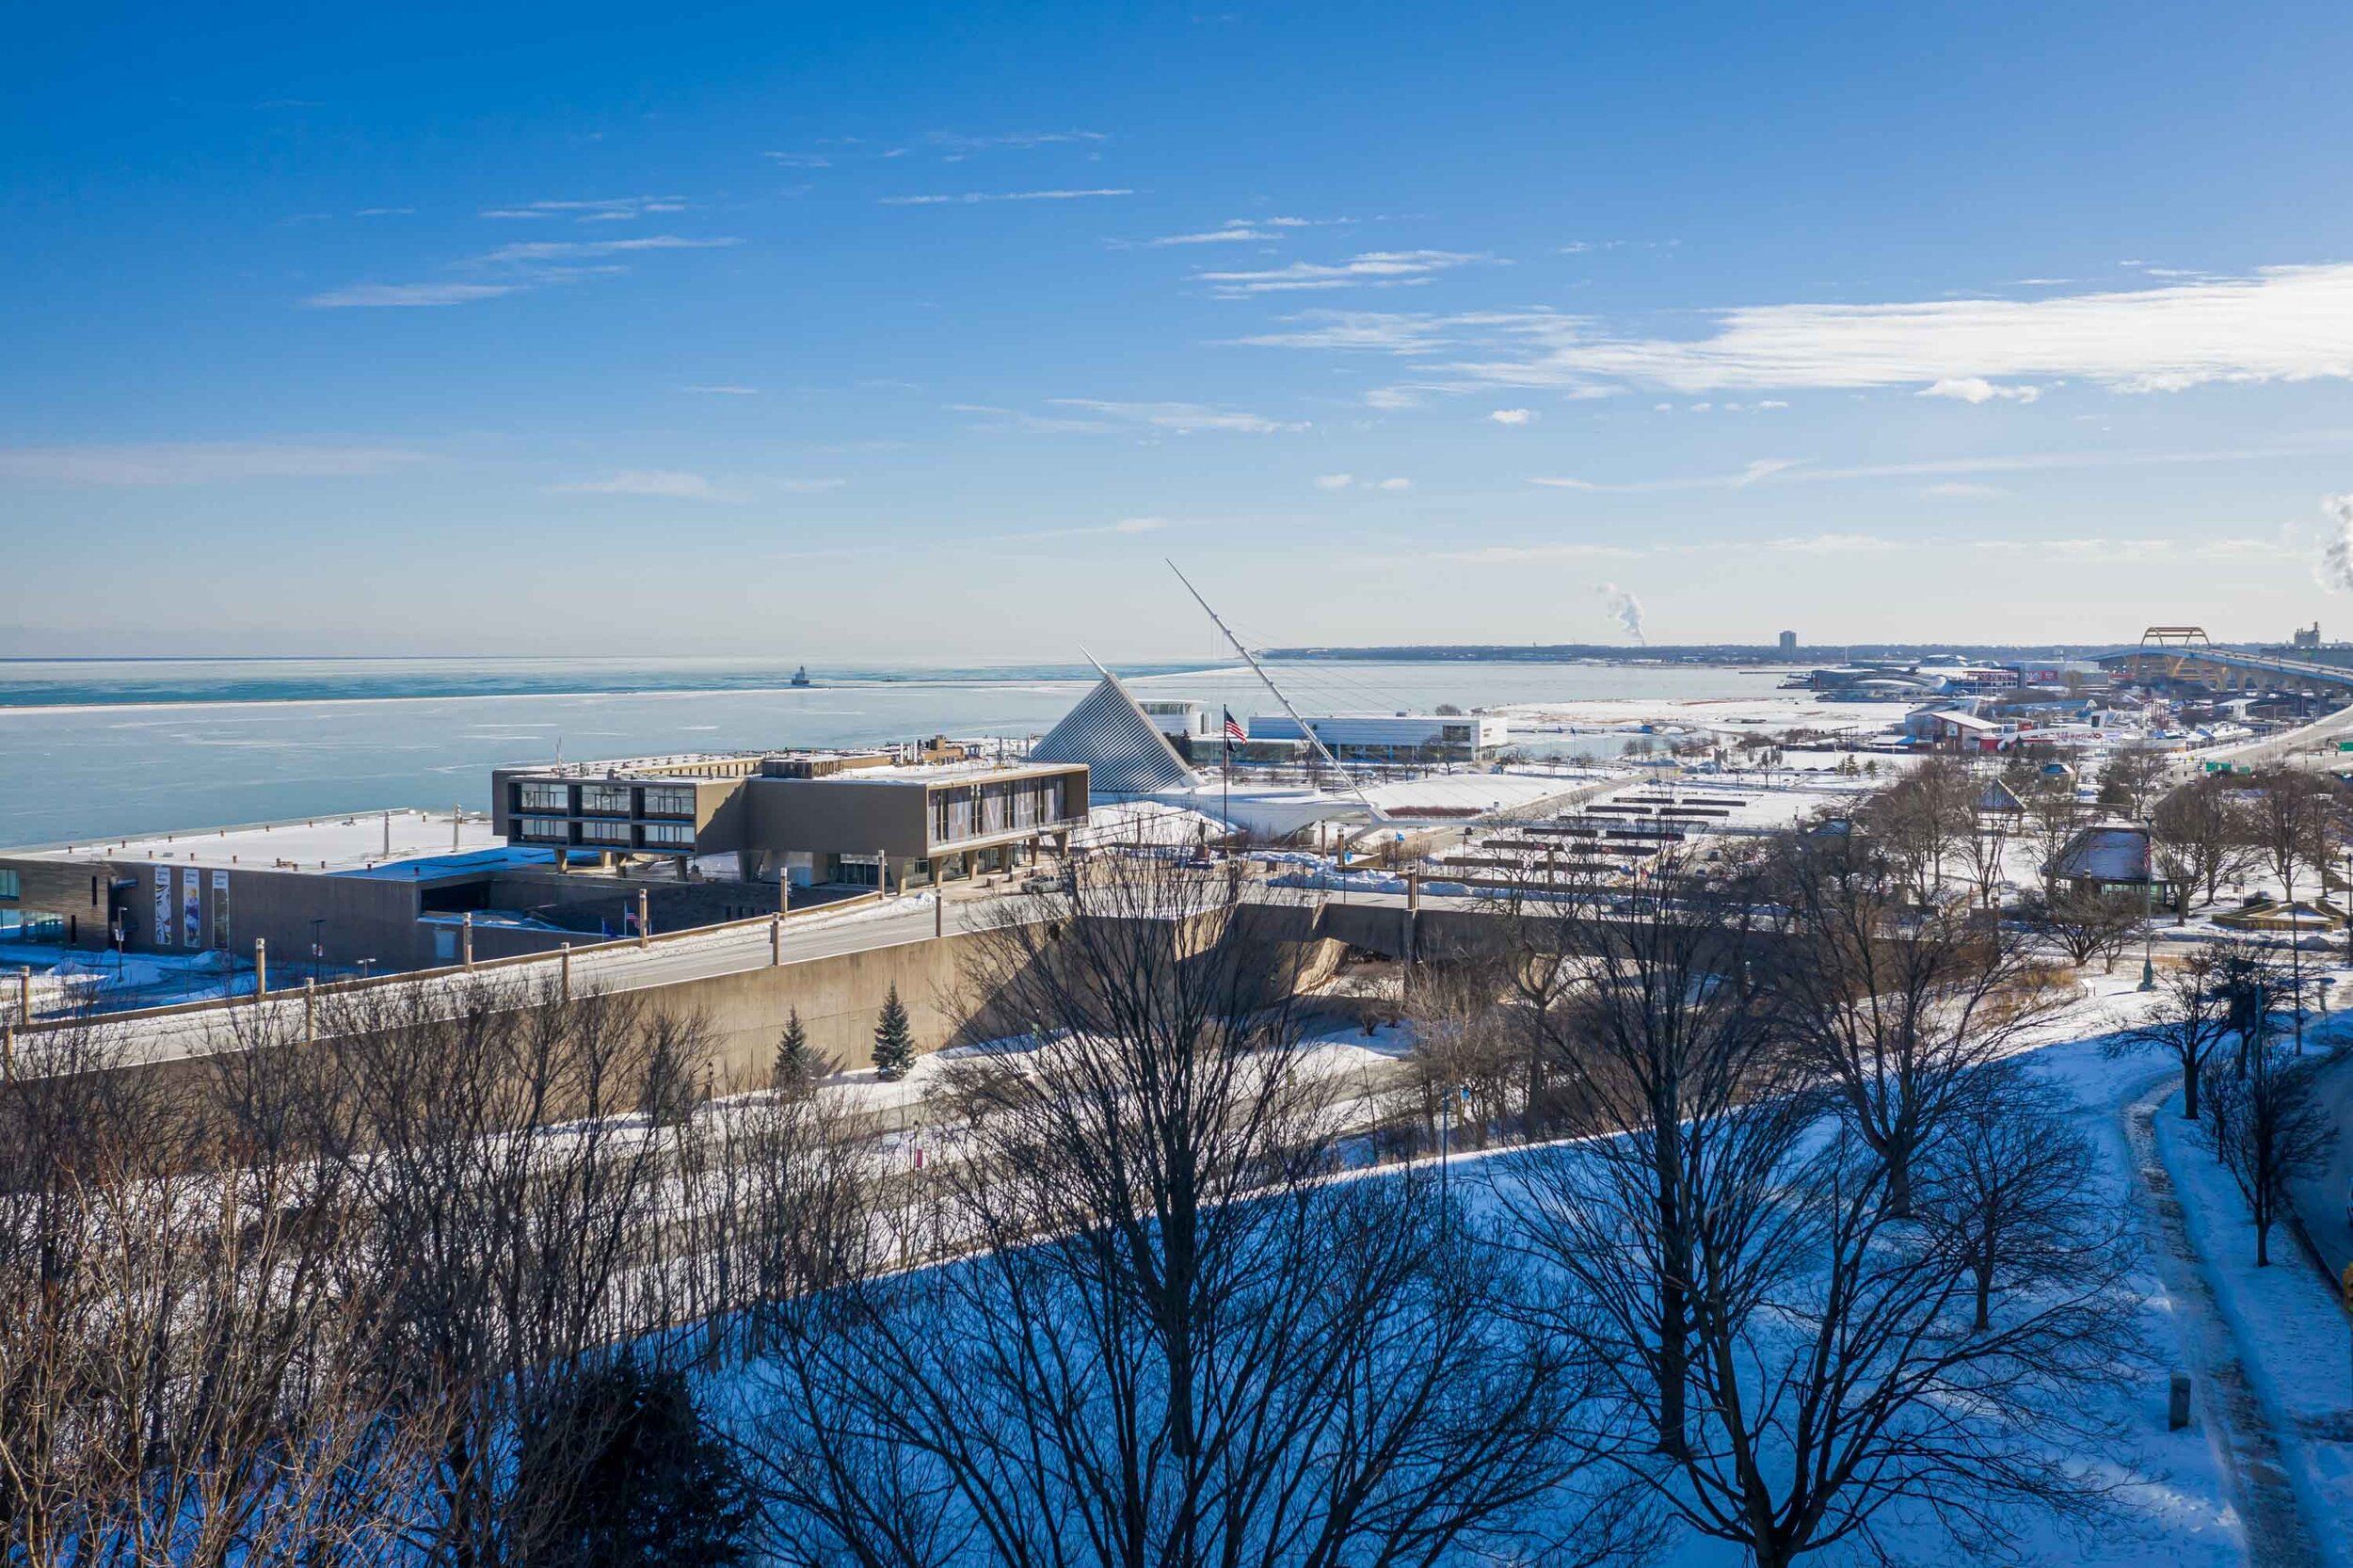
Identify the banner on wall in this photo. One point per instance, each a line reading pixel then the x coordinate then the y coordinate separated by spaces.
pixel 220 909
pixel 162 934
pixel 191 907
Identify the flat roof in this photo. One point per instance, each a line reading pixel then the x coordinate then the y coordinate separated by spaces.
pixel 936 773
pixel 351 843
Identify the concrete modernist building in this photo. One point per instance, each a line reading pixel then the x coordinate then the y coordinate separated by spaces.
pixel 811 817
pixel 1393 737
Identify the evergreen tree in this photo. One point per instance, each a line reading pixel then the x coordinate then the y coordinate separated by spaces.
pixel 798 1067
pixel 894 1042
pixel 619 1466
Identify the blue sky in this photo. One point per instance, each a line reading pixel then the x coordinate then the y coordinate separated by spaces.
pixel 887 332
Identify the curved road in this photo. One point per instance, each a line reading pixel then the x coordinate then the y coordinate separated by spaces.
pixel 2320 1202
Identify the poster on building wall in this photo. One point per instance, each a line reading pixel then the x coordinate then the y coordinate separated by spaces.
pixel 191 907
pixel 162 934
pixel 220 909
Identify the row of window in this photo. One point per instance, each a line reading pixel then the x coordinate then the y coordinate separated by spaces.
pixel 608 800
pixel 618 835
pixel 11 885
pixel 983 810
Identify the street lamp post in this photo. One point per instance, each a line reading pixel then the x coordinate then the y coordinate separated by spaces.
pixel 2148 907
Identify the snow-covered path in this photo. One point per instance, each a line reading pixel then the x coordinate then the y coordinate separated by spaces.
pixel 2237 1428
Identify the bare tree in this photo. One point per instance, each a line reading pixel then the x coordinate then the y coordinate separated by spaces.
pixel 1840 1373
pixel 2132 781
pixel 2199 838
pixel 2087 923
pixel 2291 816
pixel 1986 852
pixel 2191 1021
pixel 1922 817
pixel 1173 1338
pixel 1646 1005
pixel 2014 1184
pixel 2268 1128
pixel 2053 816
pixel 1896 1008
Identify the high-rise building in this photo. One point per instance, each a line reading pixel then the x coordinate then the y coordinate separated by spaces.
pixel 1789 642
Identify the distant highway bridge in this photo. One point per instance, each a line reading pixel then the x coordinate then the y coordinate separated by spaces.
pixel 2186 653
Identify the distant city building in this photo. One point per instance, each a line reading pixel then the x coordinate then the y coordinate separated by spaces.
pixel 831 818
pixel 1392 736
pixel 1789 642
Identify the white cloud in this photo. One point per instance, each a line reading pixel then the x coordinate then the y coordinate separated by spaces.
pixel 604 211
pixel 1334 481
pixel 398 296
pixel 667 483
pixel 197 462
pixel 1183 418
pixel 1756 471
pixel 1394 485
pixel 1235 233
pixel 385 212
pixel 957 143
pixel 724 391
pixel 525 251
pixel 1512 416
pixel 2279 324
pixel 1976 388
pixel 1371 269
pixel 973 196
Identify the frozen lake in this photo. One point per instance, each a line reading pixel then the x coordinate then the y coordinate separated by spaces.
pixel 94 750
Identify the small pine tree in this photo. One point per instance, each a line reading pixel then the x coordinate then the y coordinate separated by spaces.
pixel 797 1067
pixel 894 1042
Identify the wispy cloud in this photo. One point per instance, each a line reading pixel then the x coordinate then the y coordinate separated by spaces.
pixel 1126 527
pixel 2160 551
pixel 609 209
pixel 724 391
pixel 1512 416
pixel 1265 230
pixel 385 212
pixel 1371 269
pixel 560 251
pixel 668 484
pixel 1334 481
pixel 1797 470
pixel 197 462
pixel 1760 469
pixel 957 145
pixel 1183 418
pixel 973 198
pixel 406 296
pixel 1511 553
pixel 513 268
pixel 2279 324
pixel 799 160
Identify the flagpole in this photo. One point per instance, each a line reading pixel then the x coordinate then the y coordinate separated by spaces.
pixel 1225 776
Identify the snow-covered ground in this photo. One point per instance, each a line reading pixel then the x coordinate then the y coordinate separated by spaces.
pixel 1765 716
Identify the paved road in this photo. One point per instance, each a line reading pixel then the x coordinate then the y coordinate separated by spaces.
pixel 2320 1203
pixel 611 967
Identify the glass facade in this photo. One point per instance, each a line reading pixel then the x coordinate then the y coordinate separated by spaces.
pixel 545 830
pixel 543 797
pixel 606 799
pixel 669 800
pixel 671 834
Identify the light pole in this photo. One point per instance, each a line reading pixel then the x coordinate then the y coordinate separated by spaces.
pixel 2148 906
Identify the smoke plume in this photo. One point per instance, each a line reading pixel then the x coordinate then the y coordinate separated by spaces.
pixel 1621 606
pixel 2335 567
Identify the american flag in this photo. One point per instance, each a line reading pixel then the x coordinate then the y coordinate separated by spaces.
pixel 1233 727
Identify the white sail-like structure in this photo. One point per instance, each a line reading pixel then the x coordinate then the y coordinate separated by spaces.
pixel 1125 753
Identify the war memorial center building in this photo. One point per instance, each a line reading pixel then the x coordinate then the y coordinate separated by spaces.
pixel 563 851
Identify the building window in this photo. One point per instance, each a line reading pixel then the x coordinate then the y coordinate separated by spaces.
pixel 11 885
pixel 669 800
pixel 608 799
pixel 544 829
pixel 543 797
pixel 670 834
pixel 604 833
